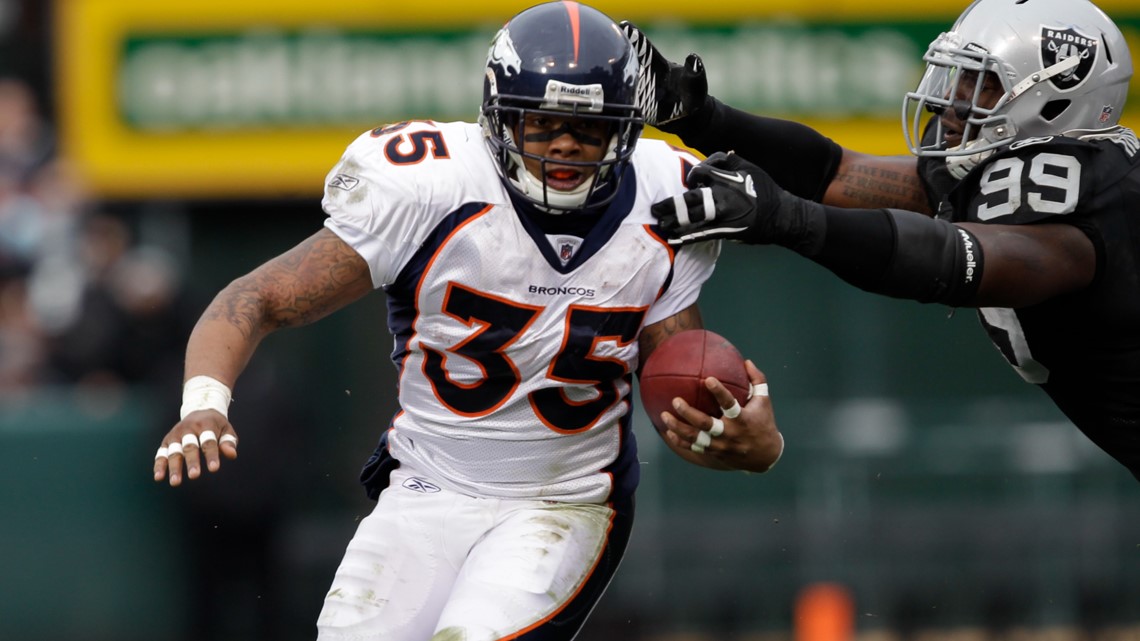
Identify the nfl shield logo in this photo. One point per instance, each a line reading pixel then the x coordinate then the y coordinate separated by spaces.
pixel 1059 44
pixel 565 251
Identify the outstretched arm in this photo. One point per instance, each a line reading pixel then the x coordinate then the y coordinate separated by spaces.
pixel 897 253
pixel 674 97
pixel 867 181
pixel 1029 264
pixel 317 277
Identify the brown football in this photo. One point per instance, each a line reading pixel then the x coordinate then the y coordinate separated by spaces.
pixel 679 366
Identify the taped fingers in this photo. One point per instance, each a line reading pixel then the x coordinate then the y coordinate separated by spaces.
pixel 702 441
pixel 760 389
pixel 705 437
pixel 170 463
pixel 192 451
pixel 730 412
pixel 160 463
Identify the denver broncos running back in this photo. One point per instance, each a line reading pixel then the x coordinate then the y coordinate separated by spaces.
pixel 526 279
pixel 1029 185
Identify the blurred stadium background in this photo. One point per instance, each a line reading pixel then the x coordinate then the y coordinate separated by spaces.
pixel 152 151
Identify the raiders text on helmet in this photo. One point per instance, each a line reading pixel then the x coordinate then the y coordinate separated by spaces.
pixel 1063 66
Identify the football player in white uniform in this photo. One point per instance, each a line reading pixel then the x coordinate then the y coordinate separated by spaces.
pixel 526 280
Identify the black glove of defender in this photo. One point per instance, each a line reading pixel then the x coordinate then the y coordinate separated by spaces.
pixel 666 91
pixel 733 199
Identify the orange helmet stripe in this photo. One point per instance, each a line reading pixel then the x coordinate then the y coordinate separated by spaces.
pixel 572 10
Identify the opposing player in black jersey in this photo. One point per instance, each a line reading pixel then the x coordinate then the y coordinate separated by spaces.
pixel 1023 201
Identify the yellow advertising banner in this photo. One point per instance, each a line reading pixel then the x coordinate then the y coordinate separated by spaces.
pixel 215 98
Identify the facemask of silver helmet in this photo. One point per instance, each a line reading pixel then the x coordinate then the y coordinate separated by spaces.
pixel 561 60
pixel 1055 67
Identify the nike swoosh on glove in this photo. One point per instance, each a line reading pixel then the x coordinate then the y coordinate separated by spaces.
pixel 666 91
pixel 732 199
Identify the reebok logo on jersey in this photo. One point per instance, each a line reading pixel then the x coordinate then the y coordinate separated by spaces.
pixel 561 291
pixel 420 485
pixel 341 181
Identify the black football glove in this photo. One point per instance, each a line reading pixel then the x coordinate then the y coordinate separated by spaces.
pixel 735 200
pixel 666 91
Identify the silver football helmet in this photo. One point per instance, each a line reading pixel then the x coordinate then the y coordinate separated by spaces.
pixel 1063 66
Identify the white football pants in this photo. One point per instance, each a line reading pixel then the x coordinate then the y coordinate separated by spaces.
pixel 431 564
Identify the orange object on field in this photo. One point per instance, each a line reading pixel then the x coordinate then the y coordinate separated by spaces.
pixel 825 612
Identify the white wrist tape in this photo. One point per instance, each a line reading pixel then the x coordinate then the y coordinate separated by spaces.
pixel 780 453
pixel 205 393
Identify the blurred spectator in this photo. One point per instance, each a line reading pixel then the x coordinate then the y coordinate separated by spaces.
pixel 85 302
pixel 21 227
pixel 25 27
pixel 26 146
pixel 22 352
pixel 26 140
pixel 74 305
pixel 146 286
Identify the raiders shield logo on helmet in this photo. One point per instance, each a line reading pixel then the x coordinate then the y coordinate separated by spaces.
pixel 1059 44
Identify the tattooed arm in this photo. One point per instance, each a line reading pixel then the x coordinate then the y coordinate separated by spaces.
pixel 314 279
pixel 864 181
pixel 653 335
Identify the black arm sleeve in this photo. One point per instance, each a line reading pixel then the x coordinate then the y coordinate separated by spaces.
pixel 799 159
pixel 896 253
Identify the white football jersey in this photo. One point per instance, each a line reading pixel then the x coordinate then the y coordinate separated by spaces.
pixel 515 349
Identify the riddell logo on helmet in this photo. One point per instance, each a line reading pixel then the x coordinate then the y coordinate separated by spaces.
pixel 1058 45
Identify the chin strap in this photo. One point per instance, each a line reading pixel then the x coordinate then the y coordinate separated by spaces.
pixel 959 166
pixel 555 201
pixel 543 197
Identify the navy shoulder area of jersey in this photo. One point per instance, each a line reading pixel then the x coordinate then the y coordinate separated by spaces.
pixel 1060 178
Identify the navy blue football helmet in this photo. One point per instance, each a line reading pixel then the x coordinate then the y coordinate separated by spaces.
pixel 561 59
